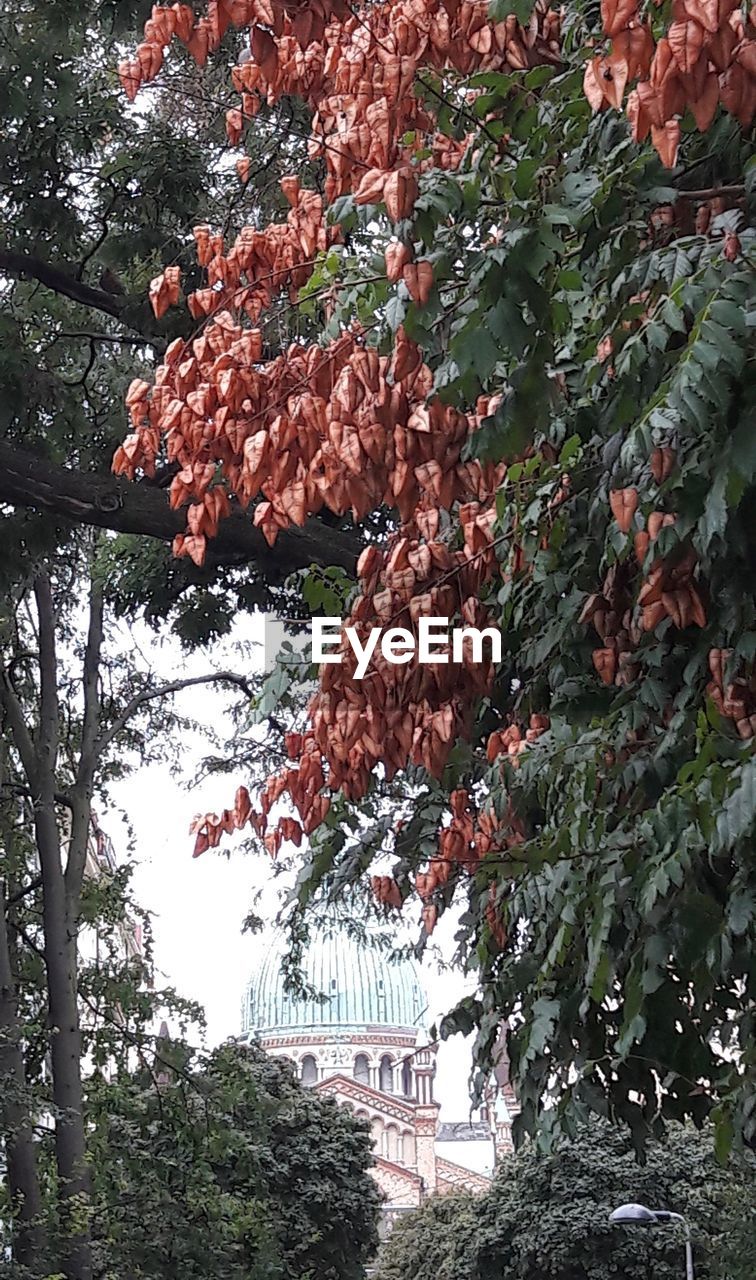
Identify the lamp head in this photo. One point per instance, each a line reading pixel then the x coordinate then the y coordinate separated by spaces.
pixel 633 1215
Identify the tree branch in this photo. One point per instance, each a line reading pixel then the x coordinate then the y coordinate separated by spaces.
pixel 47 741
pixel 162 691
pixel 19 732
pixel 108 503
pixel 20 894
pixel 18 790
pixel 91 683
pixel 117 339
pixel 25 265
pixel 709 193
pixel 85 771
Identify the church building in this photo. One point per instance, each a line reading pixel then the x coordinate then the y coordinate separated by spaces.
pixel 365 1044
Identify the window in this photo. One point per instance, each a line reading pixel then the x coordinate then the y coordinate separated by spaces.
pixel 386 1074
pixel 309 1070
pixel 362 1068
pixel 392 1142
pixel 407 1080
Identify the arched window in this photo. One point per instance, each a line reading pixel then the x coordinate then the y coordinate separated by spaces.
pixel 309 1070
pixel 362 1068
pixel 376 1133
pixel 392 1141
pixel 407 1080
pixel 386 1074
pixel 409 1149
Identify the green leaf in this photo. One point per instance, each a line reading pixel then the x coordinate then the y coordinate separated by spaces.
pixel 714 520
pixel 499 10
pixel 396 311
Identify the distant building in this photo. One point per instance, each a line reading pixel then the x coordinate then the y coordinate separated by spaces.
pixel 366 1045
pixel 101 863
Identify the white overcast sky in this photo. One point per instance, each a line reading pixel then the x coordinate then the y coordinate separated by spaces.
pixel 199 904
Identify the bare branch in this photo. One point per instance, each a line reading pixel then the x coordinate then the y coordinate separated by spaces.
pixel 85 772
pixel 18 790
pixel 710 193
pixel 117 339
pixel 91 683
pixel 31 887
pixel 162 691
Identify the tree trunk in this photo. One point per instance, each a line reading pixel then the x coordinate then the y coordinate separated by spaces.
pixel 16 1128
pixel 60 929
pixel 65 1031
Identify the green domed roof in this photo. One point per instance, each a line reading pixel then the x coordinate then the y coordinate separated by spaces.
pixel 364 989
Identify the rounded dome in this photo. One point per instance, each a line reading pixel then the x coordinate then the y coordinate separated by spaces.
pixel 363 989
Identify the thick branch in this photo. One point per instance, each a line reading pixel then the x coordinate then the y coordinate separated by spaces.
pixel 86 498
pixel 23 264
pixel 19 894
pixel 17 789
pixel 29 1245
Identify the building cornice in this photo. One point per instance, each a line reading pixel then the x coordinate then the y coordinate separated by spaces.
pixel 457 1174
pixel 387 1103
pixel 382 1163
pixel 378 1036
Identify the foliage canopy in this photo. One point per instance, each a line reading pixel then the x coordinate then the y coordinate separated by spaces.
pixel 542 375
pixel 230 1168
pixel 548 1216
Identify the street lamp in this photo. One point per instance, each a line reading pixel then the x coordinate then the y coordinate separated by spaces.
pixel 633 1215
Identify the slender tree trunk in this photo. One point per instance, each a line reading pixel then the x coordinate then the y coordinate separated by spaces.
pixel 29 1238
pixel 59 916
pixel 65 1030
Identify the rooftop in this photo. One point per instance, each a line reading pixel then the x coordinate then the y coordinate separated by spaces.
pixel 362 987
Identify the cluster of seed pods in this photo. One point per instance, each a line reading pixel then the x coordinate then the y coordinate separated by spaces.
pixel 344 428
pixel 338 427
pixel 707 56
pixel 623 610
pixel 356 68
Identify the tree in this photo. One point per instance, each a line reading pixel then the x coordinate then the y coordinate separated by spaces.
pixel 230 1168
pixel 548 1216
pixel 92 200
pixel 75 711
pixel 540 377
pixel 218 1164
pixel 90 194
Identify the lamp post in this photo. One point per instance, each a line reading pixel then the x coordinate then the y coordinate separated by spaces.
pixel 633 1215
